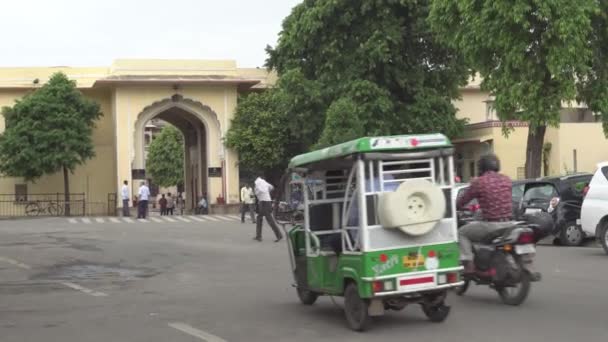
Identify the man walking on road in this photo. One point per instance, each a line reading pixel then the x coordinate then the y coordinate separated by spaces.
pixel 247 202
pixel 124 194
pixel 144 196
pixel 262 191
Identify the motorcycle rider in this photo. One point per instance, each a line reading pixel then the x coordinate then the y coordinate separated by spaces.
pixel 493 193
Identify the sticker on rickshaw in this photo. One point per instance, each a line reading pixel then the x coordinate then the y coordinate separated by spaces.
pixel 379 269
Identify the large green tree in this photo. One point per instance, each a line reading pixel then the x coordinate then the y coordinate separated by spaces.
pixel 165 161
pixel 349 68
pixel 48 131
pixel 532 56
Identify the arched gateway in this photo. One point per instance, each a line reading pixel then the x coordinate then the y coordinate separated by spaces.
pixel 199 124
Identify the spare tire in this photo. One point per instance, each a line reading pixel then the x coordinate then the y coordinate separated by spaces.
pixel 414 208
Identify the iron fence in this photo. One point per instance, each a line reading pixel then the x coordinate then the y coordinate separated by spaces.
pixel 32 205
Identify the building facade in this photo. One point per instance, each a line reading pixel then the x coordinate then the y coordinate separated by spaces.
pixel 577 145
pixel 198 97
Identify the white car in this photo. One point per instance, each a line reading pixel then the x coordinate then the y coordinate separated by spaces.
pixel 594 213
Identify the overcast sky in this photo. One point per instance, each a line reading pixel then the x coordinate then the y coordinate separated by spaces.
pixel 95 32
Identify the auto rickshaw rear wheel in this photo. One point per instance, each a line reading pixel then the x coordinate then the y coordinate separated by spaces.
pixel 356 309
pixel 436 313
pixel 306 296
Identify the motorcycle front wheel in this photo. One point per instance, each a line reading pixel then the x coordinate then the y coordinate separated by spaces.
pixel 515 295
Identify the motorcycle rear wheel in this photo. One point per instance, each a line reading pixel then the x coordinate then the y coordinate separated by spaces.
pixel 516 295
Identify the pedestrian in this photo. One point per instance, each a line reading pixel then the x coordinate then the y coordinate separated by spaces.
pixel 144 196
pixel 203 206
pixel 181 204
pixel 247 202
pixel 262 192
pixel 170 204
pixel 163 205
pixel 124 193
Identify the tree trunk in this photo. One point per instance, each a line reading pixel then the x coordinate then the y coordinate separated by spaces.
pixel 66 191
pixel 534 151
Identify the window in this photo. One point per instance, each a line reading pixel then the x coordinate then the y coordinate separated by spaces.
pixel 490 111
pixel 517 192
pixel 540 192
pixel 605 171
pixel 20 192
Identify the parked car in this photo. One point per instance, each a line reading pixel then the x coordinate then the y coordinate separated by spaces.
pixel 594 215
pixel 562 197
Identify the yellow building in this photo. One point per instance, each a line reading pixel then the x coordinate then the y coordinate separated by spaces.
pixel 198 97
pixel 576 146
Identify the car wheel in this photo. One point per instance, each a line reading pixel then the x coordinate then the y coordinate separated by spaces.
pixel 603 237
pixel 571 234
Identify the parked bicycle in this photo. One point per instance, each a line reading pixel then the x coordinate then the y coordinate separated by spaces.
pixel 38 208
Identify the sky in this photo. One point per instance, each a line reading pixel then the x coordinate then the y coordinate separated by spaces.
pixel 96 32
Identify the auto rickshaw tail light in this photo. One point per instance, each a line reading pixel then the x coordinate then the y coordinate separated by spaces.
pixel 452 277
pixel 378 286
pixel 383 286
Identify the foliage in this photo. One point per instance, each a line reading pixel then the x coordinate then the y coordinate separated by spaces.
pixel 48 130
pixel 349 68
pixel 165 161
pixel 531 55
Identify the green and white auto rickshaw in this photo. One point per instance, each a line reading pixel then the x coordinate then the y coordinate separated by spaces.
pixel 378 225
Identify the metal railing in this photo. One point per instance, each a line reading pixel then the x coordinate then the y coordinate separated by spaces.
pixel 48 205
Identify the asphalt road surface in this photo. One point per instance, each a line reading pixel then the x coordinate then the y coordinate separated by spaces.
pixel 110 281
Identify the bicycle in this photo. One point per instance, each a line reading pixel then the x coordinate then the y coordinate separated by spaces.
pixel 38 208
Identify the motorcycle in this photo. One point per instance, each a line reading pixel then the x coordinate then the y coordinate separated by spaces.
pixel 504 261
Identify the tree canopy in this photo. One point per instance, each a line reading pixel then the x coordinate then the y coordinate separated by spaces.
pixel 47 131
pixel 350 68
pixel 532 56
pixel 165 161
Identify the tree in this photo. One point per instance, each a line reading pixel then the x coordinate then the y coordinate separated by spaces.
pixel 165 160
pixel 532 56
pixel 349 68
pixel 259 132
pixel 47 131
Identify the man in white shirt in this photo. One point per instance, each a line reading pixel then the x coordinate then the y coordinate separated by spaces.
pixel 144 196
pixel 262 191
pixel 247 201
pixel 124 193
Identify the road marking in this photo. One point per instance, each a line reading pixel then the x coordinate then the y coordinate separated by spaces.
pixel 224 218
pixel 15 263
pixel 235 217
pixel 197 219
pixel 86 220
pixel 127 219
pixel 72 220
pixel 182 219
pixel 143 220
pixel 114 220
pixel 212 218
pixel 99 220
pixel 205 336
pixel 168 219
pixel 156 219
pixel 84 289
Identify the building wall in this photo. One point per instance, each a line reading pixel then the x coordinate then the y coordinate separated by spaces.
pixel 590 143
pixel 96 176
pixel 472 105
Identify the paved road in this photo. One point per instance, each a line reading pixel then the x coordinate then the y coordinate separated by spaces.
pixel 208 281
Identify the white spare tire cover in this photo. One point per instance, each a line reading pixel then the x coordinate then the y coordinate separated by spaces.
pixel 414 208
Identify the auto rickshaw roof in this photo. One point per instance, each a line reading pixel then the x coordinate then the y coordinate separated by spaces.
pixel 373 144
